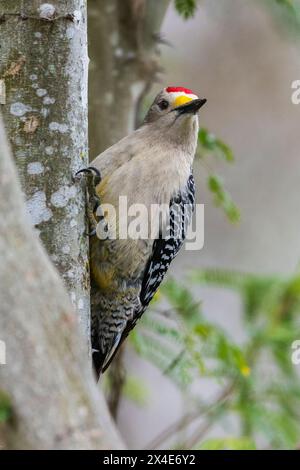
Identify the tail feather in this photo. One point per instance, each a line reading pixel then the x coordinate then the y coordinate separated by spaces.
pixel 101 361
pixel 112 317
pixel 98 360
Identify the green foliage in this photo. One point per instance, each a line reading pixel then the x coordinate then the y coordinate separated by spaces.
pixel 286 14
pixel 183 342
pixel 135 390
pixel 186 8
pixel 5 407
pixel 209 146
pixel 222 198
pixel 289 4
pixel 228 443
pixel 260 384
pixel 285 11
pixel 209 143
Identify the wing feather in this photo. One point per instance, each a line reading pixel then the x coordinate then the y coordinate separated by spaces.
pixel 166 248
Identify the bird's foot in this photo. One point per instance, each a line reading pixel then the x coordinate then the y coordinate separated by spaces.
pixel 92 175
pixel 94 211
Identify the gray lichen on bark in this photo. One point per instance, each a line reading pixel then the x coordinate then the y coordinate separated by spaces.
pixel 44 66
pixel 47 378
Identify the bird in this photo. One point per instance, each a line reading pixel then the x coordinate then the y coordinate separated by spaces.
pixel 150 168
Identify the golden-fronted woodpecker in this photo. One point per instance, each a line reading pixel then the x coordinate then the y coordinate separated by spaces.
pixel 152 169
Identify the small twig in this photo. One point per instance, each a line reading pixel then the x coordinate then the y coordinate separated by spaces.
pixel 198 435
pixel 174 362
pixel 188 418
pixel 117 377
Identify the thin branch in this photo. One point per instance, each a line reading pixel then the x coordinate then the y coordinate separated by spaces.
pixel 198 435
pixel 117 377
pixel 188 418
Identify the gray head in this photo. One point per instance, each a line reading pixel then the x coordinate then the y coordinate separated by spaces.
pixel 174 111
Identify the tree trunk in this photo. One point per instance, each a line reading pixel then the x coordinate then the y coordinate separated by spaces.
pixel 54 400
pixel 123 48
pixel 43 72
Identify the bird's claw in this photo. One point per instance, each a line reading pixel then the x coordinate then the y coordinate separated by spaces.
pixel 90 171
pixel 93 201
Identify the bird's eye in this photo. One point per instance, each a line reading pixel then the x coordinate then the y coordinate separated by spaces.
pixel 163 104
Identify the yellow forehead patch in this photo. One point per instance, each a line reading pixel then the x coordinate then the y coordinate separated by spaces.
pixel 180 100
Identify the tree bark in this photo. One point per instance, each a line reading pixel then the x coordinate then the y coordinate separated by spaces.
pixel 47 378
pixel 43 68
pixel 123 48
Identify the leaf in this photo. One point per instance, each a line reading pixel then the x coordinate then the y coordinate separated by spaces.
pixel 182 300
pixel 211 143
pixel 228 443
pixel 5 407
pixel 136 391
pixel 166 355
pixel 287 3
pixel 222 198
pixel 281 429
pixel 207 139
pixel 186 8
pixel 286 14
pixel 220 277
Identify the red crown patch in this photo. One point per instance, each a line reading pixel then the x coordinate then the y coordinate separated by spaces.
pixel 174 89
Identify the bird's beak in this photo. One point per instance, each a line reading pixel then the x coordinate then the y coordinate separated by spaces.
pixel 191 107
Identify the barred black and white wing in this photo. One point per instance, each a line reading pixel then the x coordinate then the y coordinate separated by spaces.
pixel 166 247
